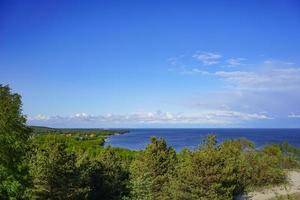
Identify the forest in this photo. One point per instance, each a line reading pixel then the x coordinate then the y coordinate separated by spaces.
pixel 46 163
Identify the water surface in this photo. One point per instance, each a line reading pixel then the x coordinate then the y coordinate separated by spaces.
pixel 137 139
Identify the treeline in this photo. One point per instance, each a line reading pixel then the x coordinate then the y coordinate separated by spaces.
pixel 87 137
pixel 55 166
pixel 77 131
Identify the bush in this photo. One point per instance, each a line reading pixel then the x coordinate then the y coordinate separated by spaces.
pixel 265 167
pixel 211 172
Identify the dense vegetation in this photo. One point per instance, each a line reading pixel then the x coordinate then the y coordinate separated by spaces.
pixel 92 135
pixel 72 164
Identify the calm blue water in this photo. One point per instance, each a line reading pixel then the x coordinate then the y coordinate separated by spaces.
pixel 137 139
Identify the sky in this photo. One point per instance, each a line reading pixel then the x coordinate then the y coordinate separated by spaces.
pixel 153 64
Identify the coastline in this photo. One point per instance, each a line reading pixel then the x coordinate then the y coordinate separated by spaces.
pixel 116 133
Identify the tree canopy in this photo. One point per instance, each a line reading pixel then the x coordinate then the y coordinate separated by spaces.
pixel 14 135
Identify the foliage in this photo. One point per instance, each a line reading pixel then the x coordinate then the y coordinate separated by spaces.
pixel 53 171
pixel 213 171
pixel 14 135
pixel 223 171
pixel 210 172
pixel 291 155
pixel 151 171
pixel 265 167
pixel 60 171
pixel 79 133
pixel 105 177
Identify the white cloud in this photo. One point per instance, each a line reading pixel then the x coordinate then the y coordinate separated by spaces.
pixel 272 79
pixel 208 58
pixel 273 62
pixel 268 85
pixel 39 117
pixel 176 60
pixel 213 117
pixel 83 116
pixel 195 71
pixel 235 61
pixel 275 90
pixel 293 115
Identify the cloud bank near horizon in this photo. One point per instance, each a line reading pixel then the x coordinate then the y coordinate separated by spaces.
pixel 213 118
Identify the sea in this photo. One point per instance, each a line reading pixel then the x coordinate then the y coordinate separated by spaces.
pixel 137 139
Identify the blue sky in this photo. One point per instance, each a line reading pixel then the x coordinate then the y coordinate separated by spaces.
pixel 153 63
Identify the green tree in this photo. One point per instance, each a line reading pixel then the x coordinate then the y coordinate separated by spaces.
pixel 152 170
pixel 209 173
pixel 54 171
pixel 14 137
pixel 104 177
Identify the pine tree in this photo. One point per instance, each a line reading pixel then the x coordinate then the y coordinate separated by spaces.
pixel 152 170
pixel 54 171
pixel 105 177
pixel 209 173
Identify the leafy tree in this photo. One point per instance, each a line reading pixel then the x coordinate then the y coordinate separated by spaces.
pixel 14 137
pixel 152 170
